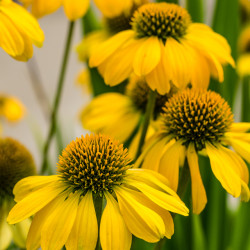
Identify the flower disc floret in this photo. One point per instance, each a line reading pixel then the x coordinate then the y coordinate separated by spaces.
pixel 197 116
pixel 93 163
pixel 162 20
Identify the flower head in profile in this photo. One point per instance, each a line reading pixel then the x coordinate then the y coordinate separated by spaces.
pixel 199 121
pixel 11 108
pixel 92 168
pixel 121 115
pixel 73 9
pixel 16 163
pixel 19 30
pixel 165 47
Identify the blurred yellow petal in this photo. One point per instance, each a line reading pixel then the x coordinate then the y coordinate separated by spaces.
pixel 75 9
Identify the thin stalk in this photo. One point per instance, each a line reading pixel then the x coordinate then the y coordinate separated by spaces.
pixel 36 82
pixel 245 112
pixel 57 99
pixel 149 113
pixel 98 202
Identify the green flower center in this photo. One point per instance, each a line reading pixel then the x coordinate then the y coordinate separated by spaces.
pixel 162 20
pixel 197 117
pixel 94 163
pixel 16 163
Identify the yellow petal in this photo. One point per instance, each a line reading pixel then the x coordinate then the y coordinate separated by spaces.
pixel 199 197
pixel 5 231
pixel 240 127
pixel 32 183
pixel 85 229
pixel 41 8
pixel 170 163
pixel 59 223
pixel 162 199
pixel 25 22
pixel 114 234
pixel 141 221
pixel 147 56
pixel 109 47
pixel 223 171
pixel 11 40
pixel 241 147
pixel 34 202
pixel 75 9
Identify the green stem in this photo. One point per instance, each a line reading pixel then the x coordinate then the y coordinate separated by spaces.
pixel 245 99
pixel 149 112
pixel 57 99
pixel 98 202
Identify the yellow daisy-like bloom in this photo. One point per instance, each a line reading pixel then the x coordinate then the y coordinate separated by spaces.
pixel 137 201
pixel 164 47
pixel 11 108
pixel 195 121
pixel 15 163
pixel 119 115
pixel 19 30
pixel 74 9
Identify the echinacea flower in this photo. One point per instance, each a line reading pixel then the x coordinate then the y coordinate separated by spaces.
pixel 74 9
pixel 11 108
pixel 197 121
pixel 16 163
pixel 165 47
pixel 90 169
pixel 124 119
pixel 19 30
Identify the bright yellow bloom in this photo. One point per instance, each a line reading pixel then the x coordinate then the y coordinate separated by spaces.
pixel 94 167
pixel 123 119
pixel 19 30
pixel 164 47
pixel 11 108
pixel 15 163
pixel 74 9
pixel 195 121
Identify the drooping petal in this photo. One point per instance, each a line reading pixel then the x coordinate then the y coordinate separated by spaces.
pixel 109 47
pixel 147 56
pixel 162 199
pixel 199 197
pixel 114 234
pixel 141 221
pixel 85 229
pixel 223 171
pixel 170 163
pixel 240 127
pixel 5 232
pixel 29 184
pixel 34 202
pixel 42 8
pixel 58 225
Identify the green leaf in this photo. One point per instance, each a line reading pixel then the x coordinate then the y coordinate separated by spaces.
pixel 195 9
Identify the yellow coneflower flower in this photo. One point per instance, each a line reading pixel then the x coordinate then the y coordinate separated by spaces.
pixel 92 168
pixel 74 9
pixel 164 47
pixel 19 30
pixel 195 121
pixel 11 108
pixel 15 163
pixel 123 119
